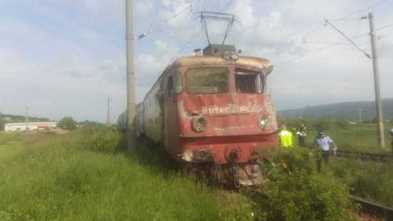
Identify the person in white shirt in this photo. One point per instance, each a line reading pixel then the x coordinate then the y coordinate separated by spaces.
pixel 324 142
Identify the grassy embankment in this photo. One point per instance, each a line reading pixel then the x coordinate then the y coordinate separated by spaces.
pixel 370 180
pixel 83 176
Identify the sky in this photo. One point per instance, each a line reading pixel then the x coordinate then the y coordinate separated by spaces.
pixel 66 57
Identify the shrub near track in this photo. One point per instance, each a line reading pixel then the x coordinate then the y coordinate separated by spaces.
pixel 294 191
pixel 369 180
pixel 84 176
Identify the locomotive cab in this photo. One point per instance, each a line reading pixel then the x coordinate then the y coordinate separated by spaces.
pixel 213 109
pixel 219 111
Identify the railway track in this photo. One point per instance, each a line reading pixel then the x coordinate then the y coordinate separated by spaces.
pixel 375 209
pixel 365 156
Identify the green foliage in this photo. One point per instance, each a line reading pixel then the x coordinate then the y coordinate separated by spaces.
pixel 122 122
pixel 60 178
pixel 8 137
pixel 90 124
pixel 67 123
pixel 356 137
pixel 2 123
pixel 369 180
pixel 323 124
pixel 100 139
pixel 366 179
pixel 294 191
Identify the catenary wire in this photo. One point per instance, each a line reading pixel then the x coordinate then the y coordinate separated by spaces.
pixel 351 16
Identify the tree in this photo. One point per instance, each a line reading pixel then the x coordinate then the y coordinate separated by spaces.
pixel 67 123
pixel 1 124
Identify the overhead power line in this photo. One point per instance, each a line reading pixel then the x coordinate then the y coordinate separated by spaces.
pixel 327 22
pixel 151 30
pixel 384 27
pixel 374 58
pixel 351 16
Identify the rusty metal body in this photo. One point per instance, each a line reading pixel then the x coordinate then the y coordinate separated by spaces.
pixel 224 128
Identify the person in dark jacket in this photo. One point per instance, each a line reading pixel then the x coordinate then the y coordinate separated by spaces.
pixel 301 135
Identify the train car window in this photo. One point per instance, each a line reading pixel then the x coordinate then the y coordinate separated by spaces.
pixel 207 80
pixel 248 82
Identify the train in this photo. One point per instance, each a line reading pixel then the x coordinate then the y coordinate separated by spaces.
pixel 211 111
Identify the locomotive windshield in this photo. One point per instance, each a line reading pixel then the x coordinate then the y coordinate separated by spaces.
pixel 248 82
pixel 207 80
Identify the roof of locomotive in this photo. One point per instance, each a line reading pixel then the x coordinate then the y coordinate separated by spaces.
pixel 255 62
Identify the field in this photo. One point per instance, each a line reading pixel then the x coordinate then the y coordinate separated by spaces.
pixel 359 137
pixel 46 177
pixel 370 180
pixel 85 175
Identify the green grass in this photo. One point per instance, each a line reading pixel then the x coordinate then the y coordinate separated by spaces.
pixel 48 177
pixel 86 176
pixel 360 137
pixel 370 180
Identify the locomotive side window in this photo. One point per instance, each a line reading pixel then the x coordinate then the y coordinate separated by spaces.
pixel 248 82
pixel 173 84
pixel 207 80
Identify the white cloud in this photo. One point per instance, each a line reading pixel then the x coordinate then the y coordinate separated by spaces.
pixel 66 57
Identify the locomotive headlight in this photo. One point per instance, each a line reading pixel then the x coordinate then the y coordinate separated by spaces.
pixel 199 124
pixel 263 122
pixel 187 156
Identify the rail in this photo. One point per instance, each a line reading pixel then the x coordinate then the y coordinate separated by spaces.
pixel 365 156
pixel 373 208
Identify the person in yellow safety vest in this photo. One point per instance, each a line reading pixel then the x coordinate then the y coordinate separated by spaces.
pixel 286 138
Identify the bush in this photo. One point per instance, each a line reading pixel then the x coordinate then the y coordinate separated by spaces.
pixel 360 176
pixel 2 123
pixel 294 191
pixel 67 123
pixel 100 139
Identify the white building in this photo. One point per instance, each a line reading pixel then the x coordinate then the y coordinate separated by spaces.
pixel 13 127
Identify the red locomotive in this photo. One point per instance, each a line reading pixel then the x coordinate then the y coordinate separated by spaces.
pixel 212 109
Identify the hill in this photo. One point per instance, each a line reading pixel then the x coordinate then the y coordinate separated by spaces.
pixel 361 110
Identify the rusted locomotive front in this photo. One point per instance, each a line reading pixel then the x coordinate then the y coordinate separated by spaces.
pixel 215 111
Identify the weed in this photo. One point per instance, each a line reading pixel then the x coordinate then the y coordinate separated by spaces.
pixel 84 176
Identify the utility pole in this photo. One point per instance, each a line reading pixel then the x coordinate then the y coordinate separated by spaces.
pixel 360 112
pixel 378 102
pixel 131 109
pixel 374 58
pixel 27 118
pixel 108 112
